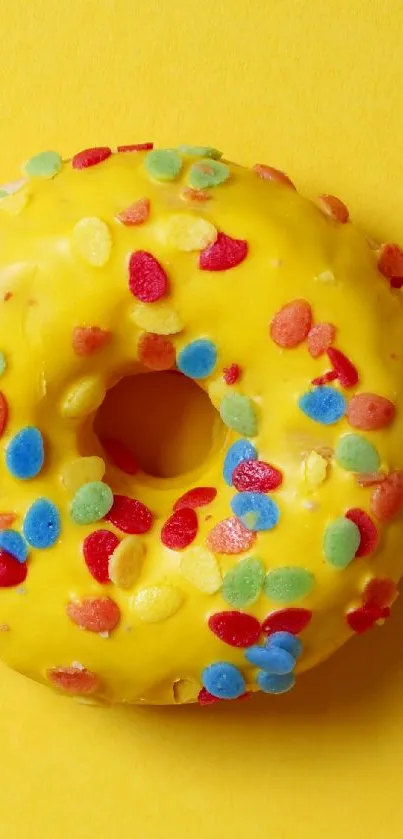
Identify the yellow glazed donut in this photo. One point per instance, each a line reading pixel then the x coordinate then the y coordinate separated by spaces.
pixel 201 421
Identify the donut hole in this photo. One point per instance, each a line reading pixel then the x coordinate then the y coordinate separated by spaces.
pixel 165 420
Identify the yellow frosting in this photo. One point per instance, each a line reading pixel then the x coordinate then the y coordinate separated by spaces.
pixel 64 264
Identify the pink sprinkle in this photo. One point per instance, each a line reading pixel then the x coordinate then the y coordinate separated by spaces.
pixel 320 337
pixel 230 537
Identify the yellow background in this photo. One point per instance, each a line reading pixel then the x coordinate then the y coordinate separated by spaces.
pixel 315 87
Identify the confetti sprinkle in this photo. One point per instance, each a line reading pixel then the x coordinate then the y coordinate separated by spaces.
pixel 83 397
pixel 270 683
pixel 186 232
pixel 91 502
pixel 180 529
pixel 239 452
pixel 163 164
pixel 256 475
pixel 130 515
pixel 120 455
pixel 232 374
pixel 291 620
pixel 200 151
pixel 243 583
pixel 82 470
pixel 368 531
pixel 333 208
pixel 148 281
pixel 42 524
pixel 268 173
pixel 87 340
pixel 98 547
pixel 73 679
pixel 136 213
pixel 125 563
pixel 387 497
pixel 223 680
pixel 136 147
pixel 25 454
pixel 356 454
pixel 341 542
pixel 291 325
pixel 286 641
pixel 347 374
pixel 46 164
pixel 287 584
pixel 92 241
pixel 90 157
pixel 234 628
pixel 365 617
pixel 223 254
pixel 320 337
pixel 370 412
pixel 265 511
pixel 390 263
pixel 198 359
pixel 323 405
pixel 159 318
pixel 196 497
pixel 95 614
pixel 271 659
pixel 238 413
pixel 12 572
pixel 12 542
pixel 379 592
pixel 208 173
pixel 230 537
pixel 156 351
pixel 200 568
pixel 316 467
pixel 156 603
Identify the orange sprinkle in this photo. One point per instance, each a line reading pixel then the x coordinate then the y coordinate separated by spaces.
pixel 73 679
pixel 320 337
pixel 230 537
pixel 89 339
pixel 7 520
pixel 387 497
pixel 96 614
pixel 380 592
pixel 390 261
pixel 334 208
pixel 291 325
pixel 190 194
pixel 156 351
pixel 268 173
pixel 137 213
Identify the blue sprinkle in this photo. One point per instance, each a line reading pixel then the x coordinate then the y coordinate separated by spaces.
pixel 237 453
pixel 324 404
pixel 42 524
pixel 270 683
pixel 271 659
pixel 12 542
pixel 25 455
pixel 223 680
pixel 255 510
pixel 286 641
pixel 198 359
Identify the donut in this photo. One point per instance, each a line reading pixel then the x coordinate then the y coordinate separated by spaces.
pixel 201 424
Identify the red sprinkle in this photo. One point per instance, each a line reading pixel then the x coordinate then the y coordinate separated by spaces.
pixel 347 374
pixel 147 278
pixel 120 455
pixel 268 173
pixel 364 618
pixel 223 254
pixel 190 194
pixel 370 412
pixel 379 592
pixel 390 263
pixel 89 339
pixel 180 529
pixel 235 628
pixel 291 325
pixel 7 520
pixel 3 413
pixel 97 548
pixel 96 614
pixel 137 213
pixel 330 376
pixel 334 208
pixel 320 337
pixel 136 147
pixel 292 620
pixel 368 531
pixel 197 497
pixel 232 374
pixel 206 698
pixel 230 537
pixel 73 679
pixel 156 352
pixel 256 475
pixel 130 515
pixel 387 497
pixel 12 572
pixel 90 157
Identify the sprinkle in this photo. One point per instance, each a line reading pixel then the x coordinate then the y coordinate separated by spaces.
pixel 330 376
pixel 320 337
pixel 136 147
pixel 42 524
pixel 223 680
pixel 316 467
pixel 265 509
pixel 368 531
pixel 125 562
pixel 196 497
pixel 159 318
pixel 14 203
pixel 341 542
pixel 291 324
pixel 223 254
pixel 186 232
pixel 206 698
pixel 156 351
pixel 180 529
pixel 379 592
pixel 291 620
pixel 136 213
pixel 370 412
pixel 82 470
pixel 238 413
pixel 232 374
pixel 12 572
pixel 184 691
pixel 270 683
pixel 163 164
pixel 243 583
pixel 390 262
pixel 91 502
pixel 208 173
pixel 200 151
pixel 364 618
pixel 367 479
pixel 286 641
pixel 90 157
pixel 230 537
pixel 46 164
pixel 284 585
pixel 98 547
pixel 235 628
pixel 324 405
pixel 189 194
pixel 356 454
pixel 271 659
pixel 73 679
pixel 268 173
pixel 25 453
pixel 95 614
pixel 256 475
pixel 333 208
pixel 239 452
pixel 200 568
pixel 387 497
pixel 92 241
pixel 12 542
pixel 148 281
pixel 83 397
pixel 7 520
pixel 347 374
pixel 120 455
pixel 156 603
pixel 130 515
pixel 3 363
pixel 87 340
pixel 198 359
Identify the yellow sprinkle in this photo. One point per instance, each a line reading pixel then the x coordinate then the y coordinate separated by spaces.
pixel 158 317
pixel 92 241
pixel 200 568
pixel 315 469
pixel 82 470
pixel 186 232
pixel 184 690
pixel 14 202
pixel 326 277
pixel 125 562
pixel 156 603
pixel 83 397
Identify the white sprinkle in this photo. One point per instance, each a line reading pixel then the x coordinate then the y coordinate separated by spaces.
pixel 103 634
pixel 77 665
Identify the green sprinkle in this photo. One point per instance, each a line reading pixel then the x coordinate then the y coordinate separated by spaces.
pixel 200 151
pixel 46 164
pixel 356 454
pixel 91 502
pixel 207 173
pixel 286 585
pixel 3 193
pixel 238 412
pixel 341 542
pixel 3 363
pixel 242 585
pixel 163 164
